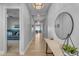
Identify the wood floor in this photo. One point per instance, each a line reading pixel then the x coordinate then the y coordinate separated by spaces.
pixel 36 48
pixel 13 50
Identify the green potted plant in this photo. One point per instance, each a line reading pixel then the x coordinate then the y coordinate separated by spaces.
pixel 69 49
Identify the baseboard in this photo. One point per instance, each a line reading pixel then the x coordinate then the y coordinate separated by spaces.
pixel 21 52
pixel 28 46
pixel 2 53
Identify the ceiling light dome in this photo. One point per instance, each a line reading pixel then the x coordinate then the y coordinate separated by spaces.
pixel 38 5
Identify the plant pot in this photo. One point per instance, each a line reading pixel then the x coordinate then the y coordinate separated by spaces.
pixel 69 54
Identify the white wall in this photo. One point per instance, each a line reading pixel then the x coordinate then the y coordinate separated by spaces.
pixel 45 28
pixel 26 27
pixel 2 38
pixel 32 28
pixel 25 30
pixel 56 9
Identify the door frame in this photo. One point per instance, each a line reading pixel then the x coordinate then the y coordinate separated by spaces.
pixel 5 20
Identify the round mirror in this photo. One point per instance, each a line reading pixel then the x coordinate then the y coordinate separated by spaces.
pixel 64 25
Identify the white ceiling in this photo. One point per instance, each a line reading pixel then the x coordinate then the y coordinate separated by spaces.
pixel 42 12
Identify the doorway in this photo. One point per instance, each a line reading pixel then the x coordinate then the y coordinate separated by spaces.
pixel 13 31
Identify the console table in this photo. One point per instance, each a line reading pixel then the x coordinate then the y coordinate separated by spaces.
pixel 54 46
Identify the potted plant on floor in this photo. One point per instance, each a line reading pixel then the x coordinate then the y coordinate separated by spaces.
pixel 69 50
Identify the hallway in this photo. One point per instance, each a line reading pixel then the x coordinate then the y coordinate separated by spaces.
pixel 32 23
pixel 37 47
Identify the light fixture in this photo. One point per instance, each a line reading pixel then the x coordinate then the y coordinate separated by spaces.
pixel 38 5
